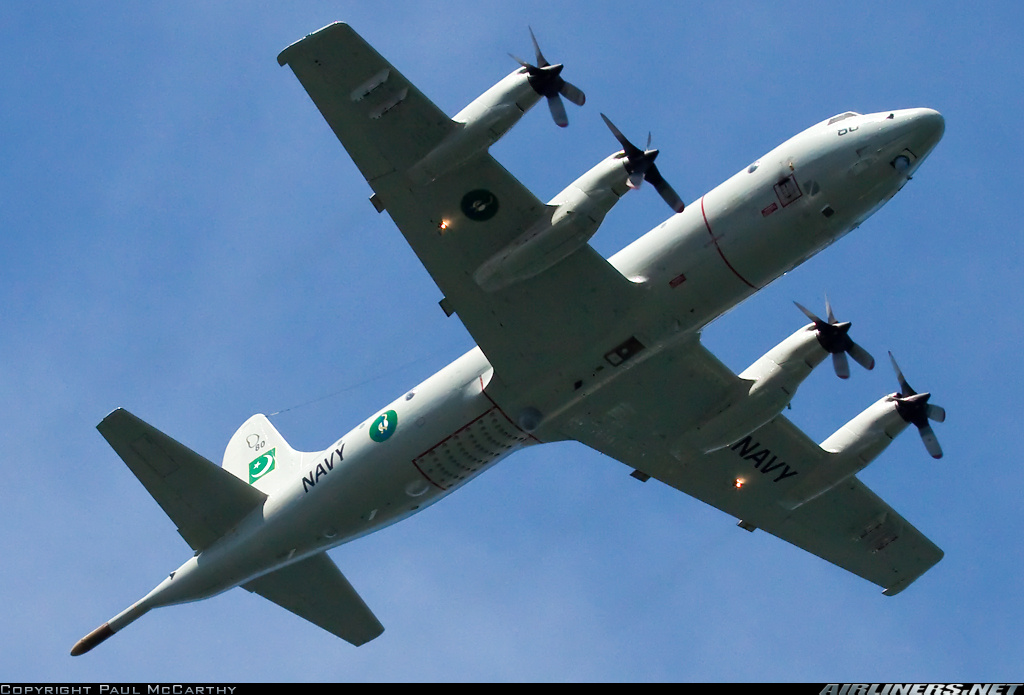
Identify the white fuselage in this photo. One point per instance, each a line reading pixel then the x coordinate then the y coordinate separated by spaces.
pixel 759 224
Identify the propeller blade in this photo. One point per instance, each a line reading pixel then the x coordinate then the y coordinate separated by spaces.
pixel 629 148
pixel 841 365
pixel 558 111
pixel 861 356
pixel 666 191
pixel 936 413
pixel 520 61
pixel 931 443
pixel 809 314
pixel 573 93
pixel 541 60
pixel 905 389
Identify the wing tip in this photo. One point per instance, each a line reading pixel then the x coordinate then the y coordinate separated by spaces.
pixel 906 581
pixel 284 56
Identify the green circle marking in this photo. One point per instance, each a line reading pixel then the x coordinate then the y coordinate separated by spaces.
pixel 480 205
pixel 384 426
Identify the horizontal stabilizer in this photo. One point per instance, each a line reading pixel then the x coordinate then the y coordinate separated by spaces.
pixel 315 589
pixel 200 497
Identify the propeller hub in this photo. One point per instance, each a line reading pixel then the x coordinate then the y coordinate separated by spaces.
pixel 833 338
pixel 915 409
pixel 639 165
pixel 546 80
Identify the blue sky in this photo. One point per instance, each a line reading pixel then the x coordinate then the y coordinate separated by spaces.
pixel 184 237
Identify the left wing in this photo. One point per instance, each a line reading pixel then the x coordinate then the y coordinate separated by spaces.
pixel 637 421
pixel 461 219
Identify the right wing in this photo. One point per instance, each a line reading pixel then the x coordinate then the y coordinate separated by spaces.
pixel 637 420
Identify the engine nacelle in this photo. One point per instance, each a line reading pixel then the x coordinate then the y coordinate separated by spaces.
pixel 769 385
pixel 851 448
pixel 572 217
pixel 479 125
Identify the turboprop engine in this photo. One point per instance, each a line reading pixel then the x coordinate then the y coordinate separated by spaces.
pixel 770 383
pixel 862 439
pixel 494 112
pixel 574 215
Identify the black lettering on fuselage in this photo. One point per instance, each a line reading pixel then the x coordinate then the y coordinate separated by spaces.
pixel 764 460
pixel 322 469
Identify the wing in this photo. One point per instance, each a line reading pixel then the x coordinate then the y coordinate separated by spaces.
pixel 200 497
pixel 636 421
pixel 461 219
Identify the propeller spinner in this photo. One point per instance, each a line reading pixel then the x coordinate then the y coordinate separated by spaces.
pixel 640 167
pixel 914 408
pixel 833 336
pixel 546 80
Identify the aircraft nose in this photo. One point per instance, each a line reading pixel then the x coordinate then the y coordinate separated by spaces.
pixel 919 129
pixel 928 125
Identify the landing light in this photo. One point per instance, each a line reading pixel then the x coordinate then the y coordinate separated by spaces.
pixel 738 483
pixel 443 225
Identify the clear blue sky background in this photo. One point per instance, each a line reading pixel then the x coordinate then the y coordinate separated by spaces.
pixel 183 236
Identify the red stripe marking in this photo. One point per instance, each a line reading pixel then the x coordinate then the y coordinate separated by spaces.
pixel 715 242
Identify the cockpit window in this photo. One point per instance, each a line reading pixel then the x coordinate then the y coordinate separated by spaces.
pixel 836 119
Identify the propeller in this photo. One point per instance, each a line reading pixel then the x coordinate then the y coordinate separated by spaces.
pixel 833 336
pixel 914 408
pixel 640 167
pixel 546 80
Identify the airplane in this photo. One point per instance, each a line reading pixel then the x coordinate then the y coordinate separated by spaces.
pixel 570 346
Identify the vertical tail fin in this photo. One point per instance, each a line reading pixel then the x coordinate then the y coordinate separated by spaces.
pixel 258 455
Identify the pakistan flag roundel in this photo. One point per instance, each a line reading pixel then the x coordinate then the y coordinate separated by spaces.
pixel 384 426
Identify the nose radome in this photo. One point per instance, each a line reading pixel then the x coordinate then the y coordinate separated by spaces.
pixel 930 123
pixel 927 127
